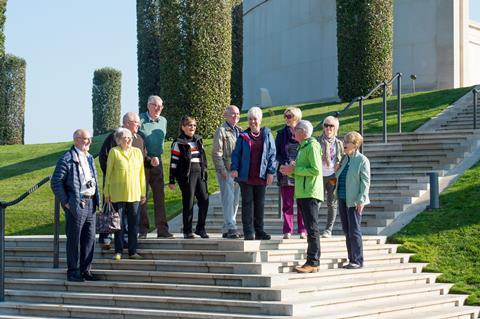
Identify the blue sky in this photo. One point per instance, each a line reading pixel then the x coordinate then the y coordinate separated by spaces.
pixel 63 43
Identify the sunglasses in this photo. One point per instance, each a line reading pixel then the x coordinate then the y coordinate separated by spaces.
pixel 288 116
pixel 328 125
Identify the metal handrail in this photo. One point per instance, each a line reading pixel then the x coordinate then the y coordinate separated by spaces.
pixel 360 99
pixel 3 206
pixel 56 234
pixel 475 92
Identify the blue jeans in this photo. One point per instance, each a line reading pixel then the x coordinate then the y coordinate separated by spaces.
pixel 230 195
pixel 130 209
pixel 351 223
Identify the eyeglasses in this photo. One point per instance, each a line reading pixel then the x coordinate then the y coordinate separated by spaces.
pixel 191 125
pixel 288 116
pixel 234 114
pixel 328 125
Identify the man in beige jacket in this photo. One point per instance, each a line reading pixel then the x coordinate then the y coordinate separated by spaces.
pixel 223 145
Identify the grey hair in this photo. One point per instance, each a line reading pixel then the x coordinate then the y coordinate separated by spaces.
pixel 229 109
pixel 334 120
pixel 306 127
pixel 119 133
pixel 129 116
pixel 255 112
pixel 78 132
pixel 153 98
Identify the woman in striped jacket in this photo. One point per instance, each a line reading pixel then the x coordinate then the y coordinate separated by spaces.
pixel 188 166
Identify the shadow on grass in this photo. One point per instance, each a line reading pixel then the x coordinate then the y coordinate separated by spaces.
pixel 39 163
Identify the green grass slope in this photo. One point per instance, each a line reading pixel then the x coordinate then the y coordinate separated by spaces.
pixel 448 238
pixel 21 166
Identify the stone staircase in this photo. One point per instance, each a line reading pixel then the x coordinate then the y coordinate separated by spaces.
pixel 221 278
pixel 398 173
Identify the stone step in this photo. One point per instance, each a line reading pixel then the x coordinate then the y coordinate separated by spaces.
pixel 198 304
pixel 91 312
pixel 336 286
pixel 380 300
pixel 465 312
pixel 147 288
pixel 401 307
pixel 177 277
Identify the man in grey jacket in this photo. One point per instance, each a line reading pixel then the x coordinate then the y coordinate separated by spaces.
pixel 223 145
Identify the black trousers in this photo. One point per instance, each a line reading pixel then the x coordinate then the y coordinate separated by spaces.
pixel 351 225
pixel 80 231
pixel 194 187
pixel 253 202
pixel 310 208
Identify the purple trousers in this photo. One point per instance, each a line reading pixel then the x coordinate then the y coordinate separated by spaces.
pixel 288 201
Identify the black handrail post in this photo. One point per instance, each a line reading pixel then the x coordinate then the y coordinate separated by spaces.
pixel 475 92
pixel 399 102
pixel 360 117
pixel 385 112
pixel 2 252
pixel 56 234
pixel 279 203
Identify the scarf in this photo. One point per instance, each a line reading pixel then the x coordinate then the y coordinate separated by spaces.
pixel 327 143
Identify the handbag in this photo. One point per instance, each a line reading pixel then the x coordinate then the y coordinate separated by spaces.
pixel 108 220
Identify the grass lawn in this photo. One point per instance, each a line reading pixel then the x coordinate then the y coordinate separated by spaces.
pixel 21 166
pixel 449 238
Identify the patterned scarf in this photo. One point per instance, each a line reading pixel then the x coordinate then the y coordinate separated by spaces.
pixel 327 144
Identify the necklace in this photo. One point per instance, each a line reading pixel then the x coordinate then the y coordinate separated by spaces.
pixel 255 134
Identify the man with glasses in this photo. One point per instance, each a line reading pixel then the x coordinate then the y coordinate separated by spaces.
pixel 131 121
pixel 223 145
pixel 74 183
pixel 153 127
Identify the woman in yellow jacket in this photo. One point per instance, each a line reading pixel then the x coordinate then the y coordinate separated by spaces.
pixel 125 188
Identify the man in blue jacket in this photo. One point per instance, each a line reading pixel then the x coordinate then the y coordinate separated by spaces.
pixel 74 183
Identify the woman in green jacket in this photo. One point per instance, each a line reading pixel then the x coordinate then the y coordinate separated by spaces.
pixel 307 170
pixel 352 192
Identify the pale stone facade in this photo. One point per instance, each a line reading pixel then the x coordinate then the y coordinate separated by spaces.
pixel 290 51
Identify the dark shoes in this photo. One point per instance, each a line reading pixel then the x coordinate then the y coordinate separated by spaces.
pixel 165 235
pixel 262 236
pixel 306 269
pixel 248 237
pixel 202 233
pixel 142 236
pixel 188 236
pixel 231 234
pixel 88 276
pixel 75 278
pixel 352 266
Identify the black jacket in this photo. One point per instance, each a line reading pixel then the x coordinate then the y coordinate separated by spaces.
pixel 180 161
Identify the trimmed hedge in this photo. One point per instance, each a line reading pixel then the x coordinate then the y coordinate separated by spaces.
pixel 148 50
pixel 364 42
pixel 172 63
pixel 12 100
pixel 236 82
pixel 3 8
pixel 209 61
pixel 106 104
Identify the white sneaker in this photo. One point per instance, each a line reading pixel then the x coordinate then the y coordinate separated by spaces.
pixel 287 236
pixel 326 234
pixel 303 236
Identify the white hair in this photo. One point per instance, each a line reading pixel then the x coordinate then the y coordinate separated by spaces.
pixel 79 132
pixel 306 127
pixel 154 98
pixel 129 116
pixel 120 133
pixel 255 112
